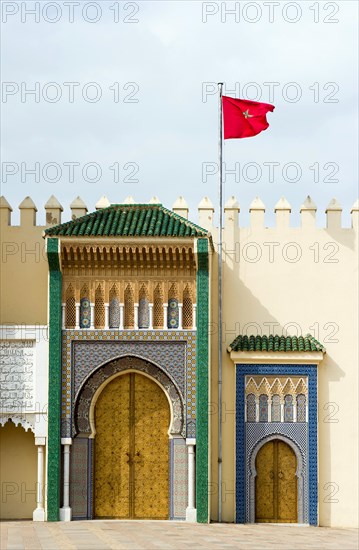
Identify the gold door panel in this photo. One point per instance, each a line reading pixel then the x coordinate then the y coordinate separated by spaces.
pixel 152 418
pixel 287 484
pixel 131 449
pixel 276 483
pixel 265 497
pixel 112 416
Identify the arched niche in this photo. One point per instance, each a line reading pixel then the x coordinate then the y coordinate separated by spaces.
pixel 253 473
pixel 93 385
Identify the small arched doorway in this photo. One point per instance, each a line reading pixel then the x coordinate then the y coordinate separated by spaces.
pixel 276 483
pixel 132 418
pixel 18 464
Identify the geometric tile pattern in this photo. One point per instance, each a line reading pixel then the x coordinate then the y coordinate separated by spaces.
pixel 202 424
pixel 191 427
pixel 114 313
pixel 82 406
pixel 88 356
pixel 178 478
pixel 257 431
pixel 172 313
pixel 90 481
pixel 83 351
pixel 79 477
pixel 54 456
pixel 311 501
pixel 85 313
pixel 143 313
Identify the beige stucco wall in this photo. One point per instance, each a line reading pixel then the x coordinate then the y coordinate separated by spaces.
pixel 24 357
pixel 23 286
pixel 262 285
pixel 317 294
pixel 18 459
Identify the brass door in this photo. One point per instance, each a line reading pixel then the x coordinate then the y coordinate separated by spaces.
pixel 276 483
pixel 132 417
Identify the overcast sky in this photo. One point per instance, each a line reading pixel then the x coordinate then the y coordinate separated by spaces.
pixel 124 94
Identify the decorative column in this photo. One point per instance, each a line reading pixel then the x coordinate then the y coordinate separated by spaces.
pixel 39 513
pixel 180 307
pixel 165 306
pixel 151 316
pixel 121 316
pixel 63 309
pixel 282 408
pixel 65 511
pixel 107 315
pixel 92 322
pixel 194 316
pixel 136 316
pixel 77 320
pixel 294 408
pixel 191 512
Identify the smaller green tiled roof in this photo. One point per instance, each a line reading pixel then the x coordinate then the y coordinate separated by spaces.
pixel 276 343
pixel 129 220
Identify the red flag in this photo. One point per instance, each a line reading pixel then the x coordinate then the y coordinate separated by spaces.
pixel 243 118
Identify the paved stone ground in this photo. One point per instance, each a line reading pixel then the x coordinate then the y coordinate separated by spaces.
pixel 137 535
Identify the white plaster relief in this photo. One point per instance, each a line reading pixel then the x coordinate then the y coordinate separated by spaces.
pixel 17 375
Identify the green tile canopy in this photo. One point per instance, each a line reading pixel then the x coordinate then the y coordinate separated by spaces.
pixel 129 220
pixel 275 342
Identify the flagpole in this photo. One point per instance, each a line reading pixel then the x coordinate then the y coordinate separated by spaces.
pixel 220 155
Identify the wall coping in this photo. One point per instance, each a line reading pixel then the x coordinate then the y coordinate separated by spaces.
pixel 278 357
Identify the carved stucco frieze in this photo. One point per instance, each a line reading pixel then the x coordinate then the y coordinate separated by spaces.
pixel 17 387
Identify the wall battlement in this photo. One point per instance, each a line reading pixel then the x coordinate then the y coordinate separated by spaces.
pixel 204 217
pixel 283 279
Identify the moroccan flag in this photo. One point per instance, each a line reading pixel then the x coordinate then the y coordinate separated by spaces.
pixel 243 118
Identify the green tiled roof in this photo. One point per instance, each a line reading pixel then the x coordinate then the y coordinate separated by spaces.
pixel 276 343
pixel 129 220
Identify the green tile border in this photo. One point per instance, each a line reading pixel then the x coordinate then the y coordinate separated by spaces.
pixel 202 382
pixel 54 407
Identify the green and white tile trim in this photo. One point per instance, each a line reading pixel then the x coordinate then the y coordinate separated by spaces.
pixel 54 409
pixel 202 382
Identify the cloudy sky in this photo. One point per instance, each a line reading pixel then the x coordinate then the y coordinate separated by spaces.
pixel 119 98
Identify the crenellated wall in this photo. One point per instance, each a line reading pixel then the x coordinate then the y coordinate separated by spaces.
pixel 280 279
pixel 24 265
pixel 294 280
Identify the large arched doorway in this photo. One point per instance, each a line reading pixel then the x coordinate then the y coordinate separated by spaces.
pixel 132 418
pixel 276 483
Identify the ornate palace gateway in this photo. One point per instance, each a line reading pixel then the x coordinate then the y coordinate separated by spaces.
pixel 125 284
pixel 109 374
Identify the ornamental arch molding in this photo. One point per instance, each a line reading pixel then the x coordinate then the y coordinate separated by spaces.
pixel 25 423
pixel 300 473
pixel 94 384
